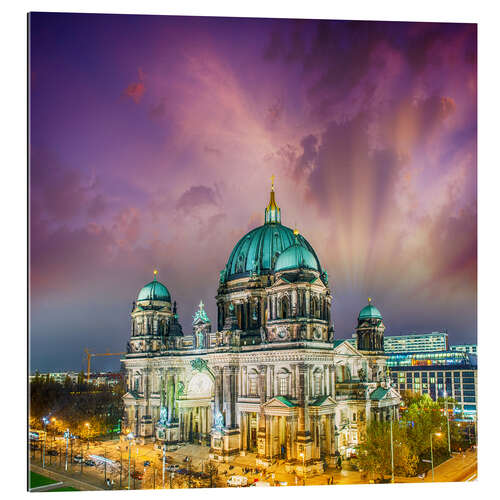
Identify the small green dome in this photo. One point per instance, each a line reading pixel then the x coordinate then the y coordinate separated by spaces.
pixel 154 291
pixel 369 312
pixel 296 257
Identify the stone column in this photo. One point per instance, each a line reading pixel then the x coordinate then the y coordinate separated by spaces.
pixel 303 441
pixel 218 389
pixel 230 396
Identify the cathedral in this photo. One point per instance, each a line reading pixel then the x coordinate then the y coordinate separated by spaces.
pixel 271 379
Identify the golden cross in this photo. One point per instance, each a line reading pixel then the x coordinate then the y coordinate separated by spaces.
pixel 272 181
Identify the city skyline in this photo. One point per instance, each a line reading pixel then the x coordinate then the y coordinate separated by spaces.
pixel 153 141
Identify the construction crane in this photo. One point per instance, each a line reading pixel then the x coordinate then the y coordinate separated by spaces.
pixel 91 355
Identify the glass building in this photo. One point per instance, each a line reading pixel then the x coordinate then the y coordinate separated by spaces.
pixel 472 348
pixel 437 373
pixel 426 342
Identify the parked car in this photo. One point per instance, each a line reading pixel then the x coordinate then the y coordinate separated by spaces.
pixel 237 481
pixel 173 468
pixel 78 459
pixel 53 453
pixel 137 475
pixel 90 463
pixel 146 463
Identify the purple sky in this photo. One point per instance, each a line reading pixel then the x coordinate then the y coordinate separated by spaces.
pixel 153 139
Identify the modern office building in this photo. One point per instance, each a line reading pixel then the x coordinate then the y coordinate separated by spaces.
pixel 416 342
pixel 438 373
pixel 471 348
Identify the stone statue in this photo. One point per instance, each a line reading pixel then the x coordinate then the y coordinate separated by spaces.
pixel 263 337
pixel 219 421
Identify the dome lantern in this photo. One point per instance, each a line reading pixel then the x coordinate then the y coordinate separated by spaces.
pixel 272 214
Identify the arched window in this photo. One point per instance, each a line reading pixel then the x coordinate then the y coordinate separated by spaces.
pixel 315 307
pixel 285 307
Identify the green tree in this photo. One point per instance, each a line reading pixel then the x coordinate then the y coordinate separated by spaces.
pixel 375 452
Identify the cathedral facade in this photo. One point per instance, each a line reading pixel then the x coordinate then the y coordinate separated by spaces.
pixel 271 379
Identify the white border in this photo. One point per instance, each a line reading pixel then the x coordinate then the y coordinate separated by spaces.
pixel 13 205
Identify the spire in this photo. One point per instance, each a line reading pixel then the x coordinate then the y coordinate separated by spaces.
pixel 201 315
pixel 155 272
pixel 273 212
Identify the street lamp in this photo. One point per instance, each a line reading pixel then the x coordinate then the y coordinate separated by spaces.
pixel 87 425
pixel 45 421
pixel 66 435
pixel 438 434
pixel 392 456
pixel 130 436
pixel 447 422
pixel 302 455
pixel 163 474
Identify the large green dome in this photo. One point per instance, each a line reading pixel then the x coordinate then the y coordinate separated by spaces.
pixel 369 312
pixel 258 251
pixel 154 291
pixel 296 257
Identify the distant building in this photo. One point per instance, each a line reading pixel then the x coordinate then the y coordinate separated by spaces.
pixel 425 342
pixel 58 376
pixel 106 378
pixel 437 373
pixel 471 348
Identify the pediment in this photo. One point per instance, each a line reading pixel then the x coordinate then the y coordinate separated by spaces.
pixel 324 401
pixel 130 396
pixel 346 348
pixel 279 402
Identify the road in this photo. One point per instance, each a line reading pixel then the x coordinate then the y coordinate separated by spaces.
pixel 458 468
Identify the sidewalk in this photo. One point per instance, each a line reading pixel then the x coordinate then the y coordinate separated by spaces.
pixel 68 480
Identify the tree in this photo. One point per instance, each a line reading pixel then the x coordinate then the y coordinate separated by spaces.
pixel 423 418
pixel 375 451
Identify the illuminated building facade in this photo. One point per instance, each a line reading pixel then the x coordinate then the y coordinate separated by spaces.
pixel 270 379
pixel 471 348
pixel 437 373
pixel 416 342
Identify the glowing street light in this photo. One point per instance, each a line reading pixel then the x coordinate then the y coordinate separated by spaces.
pixel 302 455
pixel 437 434
pixel 447 422
pixel 130 436
pixel 45 421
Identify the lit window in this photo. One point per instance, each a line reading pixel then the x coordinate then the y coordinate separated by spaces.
pixel 252 386
pixel 283 386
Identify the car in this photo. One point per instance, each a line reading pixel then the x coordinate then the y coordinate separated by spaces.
pixel 146 463
pixel 53 453
pixel 78 459
pixel 237 481
pixel 173 468
pixel 137 475
pixel 90 463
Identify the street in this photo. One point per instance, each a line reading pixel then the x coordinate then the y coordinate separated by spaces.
pixel 461 467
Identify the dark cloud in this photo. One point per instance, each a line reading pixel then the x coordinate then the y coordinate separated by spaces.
pixel 58 190
pixel 213 151
pixel 158 111
pixel 275 112
pixel 97 206
pixel 197 196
